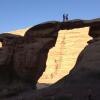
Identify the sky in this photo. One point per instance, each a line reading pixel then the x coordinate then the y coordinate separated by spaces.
pixel 18 14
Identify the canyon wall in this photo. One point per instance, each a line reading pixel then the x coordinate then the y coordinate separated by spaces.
pixel 23 60
pixel 62 57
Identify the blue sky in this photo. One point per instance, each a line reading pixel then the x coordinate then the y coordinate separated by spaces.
pixel 17 14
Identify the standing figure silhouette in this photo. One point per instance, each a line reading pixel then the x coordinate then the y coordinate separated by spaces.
pixel 65 17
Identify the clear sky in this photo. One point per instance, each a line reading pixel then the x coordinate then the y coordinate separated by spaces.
pixel 18 14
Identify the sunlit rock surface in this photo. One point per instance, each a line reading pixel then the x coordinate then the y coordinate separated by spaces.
pixel 23 61
pixel 62 57
pixel 20 31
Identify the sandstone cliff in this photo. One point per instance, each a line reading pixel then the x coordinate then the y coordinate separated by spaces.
pixel 62 57
pixel 25 61
pixel 82 83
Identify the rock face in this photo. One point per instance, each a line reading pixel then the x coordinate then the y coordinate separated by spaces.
pixel 62 57
pixel 83 81
pixel 25 58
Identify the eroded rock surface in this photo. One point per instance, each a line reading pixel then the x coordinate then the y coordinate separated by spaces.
pixel 83 81
pixel 25 58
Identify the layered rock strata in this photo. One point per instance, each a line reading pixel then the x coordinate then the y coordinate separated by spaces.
pixel 83 81
pixel 62 57
pixel 25 61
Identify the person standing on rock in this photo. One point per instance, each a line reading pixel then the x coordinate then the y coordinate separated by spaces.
pixel 65 17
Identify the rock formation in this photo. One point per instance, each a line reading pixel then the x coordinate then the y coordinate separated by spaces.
pixel 83 81
pixel 25 58
pixel 61 59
